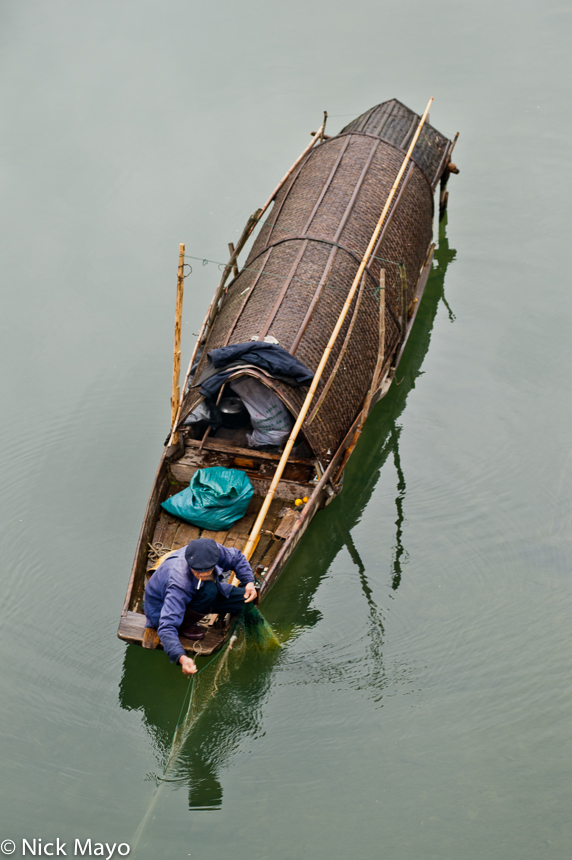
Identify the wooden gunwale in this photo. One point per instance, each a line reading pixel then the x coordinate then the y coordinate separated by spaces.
pixel 161 474
pixel 444 161
pixel 419 290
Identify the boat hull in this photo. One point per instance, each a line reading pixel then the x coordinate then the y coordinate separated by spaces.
pixel 291 288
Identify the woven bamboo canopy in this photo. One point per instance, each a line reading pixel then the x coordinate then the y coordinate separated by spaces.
pixel 306 255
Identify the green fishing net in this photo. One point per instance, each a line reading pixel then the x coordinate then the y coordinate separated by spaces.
pixel 257 631
pixel 251 629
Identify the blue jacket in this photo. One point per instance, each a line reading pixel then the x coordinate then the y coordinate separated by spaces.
pixel 270 357
pixel 173 586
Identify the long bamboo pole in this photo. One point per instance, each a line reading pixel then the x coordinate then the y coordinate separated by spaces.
pixel 253 538
pixel 176 395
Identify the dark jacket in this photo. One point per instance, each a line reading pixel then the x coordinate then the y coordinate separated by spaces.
pixel 270 357
pixel 173 586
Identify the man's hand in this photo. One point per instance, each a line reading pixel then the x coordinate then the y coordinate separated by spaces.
pixel 188 665
pixel 249 592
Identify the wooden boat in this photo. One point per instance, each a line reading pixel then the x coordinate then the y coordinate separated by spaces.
pixel 335 276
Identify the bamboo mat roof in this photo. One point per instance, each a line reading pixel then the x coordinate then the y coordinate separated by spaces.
pixel 304 259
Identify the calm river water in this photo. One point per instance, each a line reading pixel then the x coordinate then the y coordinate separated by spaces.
pixel 421 705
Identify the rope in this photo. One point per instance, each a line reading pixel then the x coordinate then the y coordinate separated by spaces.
pixel 205 261
pixel 157 550
pixel 186 705
pixel 373 290
pixel 189 693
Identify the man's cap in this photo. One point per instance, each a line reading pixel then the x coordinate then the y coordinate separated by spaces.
pixel 202 554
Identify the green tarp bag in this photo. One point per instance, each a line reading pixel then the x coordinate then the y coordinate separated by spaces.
pixel 215 499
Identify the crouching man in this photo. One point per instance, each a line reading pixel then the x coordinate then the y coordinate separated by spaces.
pixel 187 586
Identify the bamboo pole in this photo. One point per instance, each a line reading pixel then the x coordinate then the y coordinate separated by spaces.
pixel 404 308
pixel 235 267
pixel 176 395
pixel 254 535
pixel 381 350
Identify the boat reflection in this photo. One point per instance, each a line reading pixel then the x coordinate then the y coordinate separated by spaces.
pixel 380 439
pixel 150 685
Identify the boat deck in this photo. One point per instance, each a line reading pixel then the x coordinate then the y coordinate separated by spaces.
pixel 171 534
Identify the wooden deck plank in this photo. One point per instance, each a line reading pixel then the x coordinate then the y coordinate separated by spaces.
pixel 150 638
pixel 272 552
pixel 185 534
pixel 132 626
pixel 132 629
pixel 160 529
pixel 260 551
pixel 287 523
pixel 254 505
pixel 223 445
pixel 174 533
pixel 271 523
pixel 169 533
pixel 286 490
pixel 218 536
pixel 241 527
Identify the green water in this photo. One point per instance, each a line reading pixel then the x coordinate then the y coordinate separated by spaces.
pixel 420 706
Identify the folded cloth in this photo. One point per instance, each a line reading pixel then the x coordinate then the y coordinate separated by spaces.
pixel 269 357
pixel 270 419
